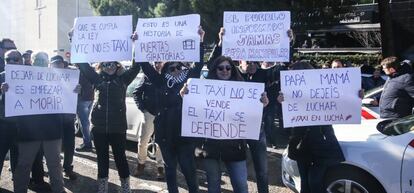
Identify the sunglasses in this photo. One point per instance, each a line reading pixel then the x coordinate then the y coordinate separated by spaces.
pixel 174 68
pixel 109 65
pixel 221 68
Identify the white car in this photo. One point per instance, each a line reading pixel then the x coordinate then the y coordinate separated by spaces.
pixel 377 160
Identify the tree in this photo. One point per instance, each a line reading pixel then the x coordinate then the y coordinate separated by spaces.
pixel 388 48
pixel 138 8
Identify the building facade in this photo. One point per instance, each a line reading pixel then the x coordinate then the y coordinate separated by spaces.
pixel 41 25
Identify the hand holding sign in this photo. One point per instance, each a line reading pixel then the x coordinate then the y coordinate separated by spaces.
pixel 169 39
pixel 320 97
pixel 222 109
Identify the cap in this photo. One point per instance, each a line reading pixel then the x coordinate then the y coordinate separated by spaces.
pixel 56 59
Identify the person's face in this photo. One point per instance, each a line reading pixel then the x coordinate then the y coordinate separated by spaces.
pixel 158 66
pixel 174 69
pixel 27 59
pixel 248 67
pixel 388 71
pixel 265 65
pixel 337 65
pixel 57 65
pixel 223 71
pixel 376 74
pixel 13 58
pixel 109 67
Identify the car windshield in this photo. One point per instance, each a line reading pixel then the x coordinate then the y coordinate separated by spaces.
pixel 372 91
pixel 400 126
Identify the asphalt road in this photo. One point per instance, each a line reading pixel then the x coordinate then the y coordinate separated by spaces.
pixel 86 168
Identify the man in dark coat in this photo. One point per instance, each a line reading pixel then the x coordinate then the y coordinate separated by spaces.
pixel 397 99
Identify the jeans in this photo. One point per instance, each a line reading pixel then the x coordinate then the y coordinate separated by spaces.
pixel 259 156
pixel 84 110
pixel 237 171
pixel 184 155
pixel 144 136
pixel 27 154
pixel 8 136
pixel 117 141
pixel 68 142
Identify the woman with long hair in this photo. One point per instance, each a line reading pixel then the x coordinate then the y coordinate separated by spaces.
pixel 174 148
pixel 108 117
pixel 232 152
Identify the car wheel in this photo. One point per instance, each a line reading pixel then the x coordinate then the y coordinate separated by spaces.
pixel 351 180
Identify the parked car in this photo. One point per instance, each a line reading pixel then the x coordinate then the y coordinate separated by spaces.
pixel 379 158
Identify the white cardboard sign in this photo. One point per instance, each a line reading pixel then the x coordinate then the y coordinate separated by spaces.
pixel 101 39
pixel 168 39
pixel 40 90
pixel 256 36
pixel 222 109
pixel 321 96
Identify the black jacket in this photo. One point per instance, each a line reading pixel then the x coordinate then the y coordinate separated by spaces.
pixel 40 127
pixel 313 143
pixel 109 109
pixel 168 122
pixel 147 96
pixel 397 98
pixel 225 150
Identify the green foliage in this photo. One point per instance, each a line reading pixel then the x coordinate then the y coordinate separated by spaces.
pixel 354 59
pixel 305 13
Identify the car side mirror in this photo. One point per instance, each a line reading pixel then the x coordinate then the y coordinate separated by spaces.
pixel 383 124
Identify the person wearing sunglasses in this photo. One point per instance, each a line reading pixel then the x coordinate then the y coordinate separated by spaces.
pixel 174 148
pixel 232 152
pixel 108 117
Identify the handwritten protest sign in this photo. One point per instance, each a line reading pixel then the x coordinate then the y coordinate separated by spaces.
pixel 168 39
pixel 39 90
pixel 256 36
pixel 101 38
pixel 321 96
pixel 222 109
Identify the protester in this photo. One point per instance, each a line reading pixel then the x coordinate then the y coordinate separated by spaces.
pixel 108 118
pixel 38 132
pixel 251 72
pixel 397 98
pixel 68 127
pixel 147 99
pixel 314 148
pixel 8 128
pixel 84 107
pixel 37 182
pixel 27 57
pixel 231 152
pixel 40 59
pixel 337 64
pixel 374 81
pixel 174 148
pixel 5 45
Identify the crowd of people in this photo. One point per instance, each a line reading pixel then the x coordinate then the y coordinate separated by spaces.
pixel 101 110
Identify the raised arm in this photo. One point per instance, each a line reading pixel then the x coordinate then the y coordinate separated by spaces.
pixel 196 71
pixel 131 73
pixel 90 73
pixel 217 49
pixel 151 73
